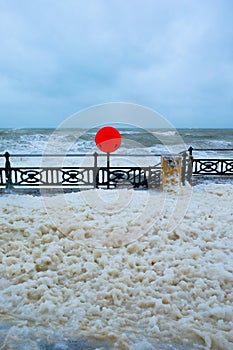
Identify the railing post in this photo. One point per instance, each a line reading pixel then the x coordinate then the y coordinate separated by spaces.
pixel 9 184
pixel 95 170
pixel 108 170
pixel 183 172
pixel 190 165
pixel 190 151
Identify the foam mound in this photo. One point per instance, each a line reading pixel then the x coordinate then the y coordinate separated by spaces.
pixel 134 285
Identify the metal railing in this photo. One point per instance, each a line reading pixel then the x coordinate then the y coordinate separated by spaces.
pixel 108 176
pixel 82 177
pixel 211 166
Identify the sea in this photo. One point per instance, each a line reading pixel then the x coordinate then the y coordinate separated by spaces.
pixel 207 143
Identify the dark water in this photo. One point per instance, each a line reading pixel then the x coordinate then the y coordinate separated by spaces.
pixel 35 141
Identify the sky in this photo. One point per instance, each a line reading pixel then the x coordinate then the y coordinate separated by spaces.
pixel 58 57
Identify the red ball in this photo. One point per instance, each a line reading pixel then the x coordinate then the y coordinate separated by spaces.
pixel 108 139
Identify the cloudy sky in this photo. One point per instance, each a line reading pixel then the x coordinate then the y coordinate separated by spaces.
pixel 60 56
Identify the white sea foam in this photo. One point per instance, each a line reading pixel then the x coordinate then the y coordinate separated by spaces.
pixel 165 285
pixel 165 133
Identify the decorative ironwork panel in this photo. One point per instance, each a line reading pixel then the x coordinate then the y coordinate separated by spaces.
pixel 49 177
pixel 228 167
pixel 135 177
pixel 212 167
pixel 115 177
pixel 77 176
pixel 28 176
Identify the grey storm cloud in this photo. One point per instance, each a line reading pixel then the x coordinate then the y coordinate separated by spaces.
pixel 57 57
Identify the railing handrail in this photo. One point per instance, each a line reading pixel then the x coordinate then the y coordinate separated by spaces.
pixel 212 149
pixel 157 165
pixel 89 155
pixel 191 149
pixel 40 155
